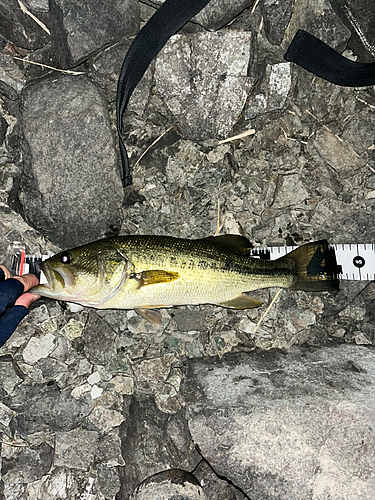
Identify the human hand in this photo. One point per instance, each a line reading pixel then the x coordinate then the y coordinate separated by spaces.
pixel 14 293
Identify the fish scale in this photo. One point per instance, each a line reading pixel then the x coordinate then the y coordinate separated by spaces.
pixel 150 272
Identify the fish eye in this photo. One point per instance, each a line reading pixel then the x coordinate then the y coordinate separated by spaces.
pixel 66 258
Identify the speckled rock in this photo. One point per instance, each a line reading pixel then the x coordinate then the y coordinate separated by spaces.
pixel 75 449
pixel 169 485
pixel 205 73
pixel 153 442
pixel 80 30
pixel 319 19
pixel 273 92
pixel 286 425
pixel 79 154
pixel 276 19
pixel 19 28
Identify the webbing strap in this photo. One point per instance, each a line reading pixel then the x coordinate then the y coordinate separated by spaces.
pixel 166 21
pixel 317 57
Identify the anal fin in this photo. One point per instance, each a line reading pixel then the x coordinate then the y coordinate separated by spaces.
pixel 241 302
pixel 150 315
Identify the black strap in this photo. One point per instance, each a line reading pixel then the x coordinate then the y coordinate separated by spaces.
pixel 317 57
pixel 166 21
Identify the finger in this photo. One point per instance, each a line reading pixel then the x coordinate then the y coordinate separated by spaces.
pixel 26 299
pixel 28 281
pixel 7 273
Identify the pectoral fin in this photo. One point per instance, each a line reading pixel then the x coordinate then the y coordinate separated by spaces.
pixel 151 315
pixel 154 276
pixel 241 302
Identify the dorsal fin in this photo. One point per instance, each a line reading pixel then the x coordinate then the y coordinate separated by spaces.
pixel 235 242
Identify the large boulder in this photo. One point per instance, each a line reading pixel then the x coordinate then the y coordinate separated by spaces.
pixel 71 190
pixel 297 424
pixel 80 29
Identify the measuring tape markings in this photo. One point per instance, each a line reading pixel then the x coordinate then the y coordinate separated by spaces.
pixel 357 261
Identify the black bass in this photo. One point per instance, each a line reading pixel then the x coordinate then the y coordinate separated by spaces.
pixel 148 272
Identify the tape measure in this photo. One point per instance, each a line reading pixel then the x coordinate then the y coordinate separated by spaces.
pixel 355 262
pixel 23 263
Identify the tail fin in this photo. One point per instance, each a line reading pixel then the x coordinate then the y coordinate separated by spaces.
pixel 317 269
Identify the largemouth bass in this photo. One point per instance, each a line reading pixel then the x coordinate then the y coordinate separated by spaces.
pixel 150 272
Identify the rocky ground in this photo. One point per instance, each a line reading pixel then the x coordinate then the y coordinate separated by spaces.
pixel 104 405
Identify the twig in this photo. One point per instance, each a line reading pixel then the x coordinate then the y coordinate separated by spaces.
pixel 70 72
pixel 26 11
pixel 255 6
pixel 286 135
pixel 16 445
pixel 365 102
pixel 239 136
pixel 324 126
pixel 153 144
pixel 219 226
pixel 267 310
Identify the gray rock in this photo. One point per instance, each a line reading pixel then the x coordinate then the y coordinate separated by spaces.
pixel 276 17
pixel 170 485
pixel 62 483
pixel 188 319
pixel 271 95
pixel 155 369
pixel 153 442
pixel 11 75
pixel 203 80
pixel 38 348
pixel 359 19
pixel 19 28
pixel 98 340
pixel 217 14
pixel 295 424
pixel 319 19
pixel 357 132
pixel 3 129
pixel 6 416
pixel 104 419
pixel 8 375
pixel 108 481
pixel 105 69
pixel 66 124
pixel 214 487
pixel 337 153
pixel 79 30
pixel 75 449
pixel 43 407
pixel 109 450
pixel 31 463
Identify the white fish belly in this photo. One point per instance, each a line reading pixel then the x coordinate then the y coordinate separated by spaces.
pixel 198 287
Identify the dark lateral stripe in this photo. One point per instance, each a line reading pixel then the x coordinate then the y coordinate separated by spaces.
pixel 166 21
pixel 317 57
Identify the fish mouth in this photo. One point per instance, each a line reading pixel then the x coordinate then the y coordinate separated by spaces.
pixel 57 282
